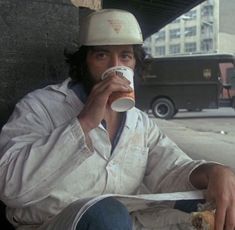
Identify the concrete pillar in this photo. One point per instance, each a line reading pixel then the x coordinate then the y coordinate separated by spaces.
pixel 33 36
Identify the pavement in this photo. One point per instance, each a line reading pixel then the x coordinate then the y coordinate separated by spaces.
pixel 208 135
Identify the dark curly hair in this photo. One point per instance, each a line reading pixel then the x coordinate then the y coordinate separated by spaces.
pixel 78 70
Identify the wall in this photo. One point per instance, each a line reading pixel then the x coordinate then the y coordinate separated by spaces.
pixel 33 36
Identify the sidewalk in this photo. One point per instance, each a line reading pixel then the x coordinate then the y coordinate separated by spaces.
pixel 208 145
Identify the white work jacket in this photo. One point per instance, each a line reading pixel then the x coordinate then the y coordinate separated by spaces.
pixel 45 163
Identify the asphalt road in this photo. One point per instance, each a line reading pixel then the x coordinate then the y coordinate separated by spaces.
pixel 209 134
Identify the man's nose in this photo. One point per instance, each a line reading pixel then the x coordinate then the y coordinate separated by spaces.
pixel 114 61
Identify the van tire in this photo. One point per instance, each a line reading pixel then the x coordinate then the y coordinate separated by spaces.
pixel 163 108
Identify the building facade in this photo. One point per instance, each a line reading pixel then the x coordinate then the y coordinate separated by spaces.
pixel 207 28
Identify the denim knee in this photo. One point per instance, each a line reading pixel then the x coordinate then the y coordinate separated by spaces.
pixel 107 214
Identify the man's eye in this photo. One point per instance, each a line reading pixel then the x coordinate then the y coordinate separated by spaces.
pixel 127 57
pixel 101 55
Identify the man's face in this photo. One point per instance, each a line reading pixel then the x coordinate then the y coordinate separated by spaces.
pixel 101 58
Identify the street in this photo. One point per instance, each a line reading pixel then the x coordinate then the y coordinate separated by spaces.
pixel 209 134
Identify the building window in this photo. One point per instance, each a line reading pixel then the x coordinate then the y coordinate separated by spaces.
pixel 174 49
pixel 160 36
pixel 207 29
pixel 160 50
pixel 190 47
pixel 190 31
pixel 207 11
pixel 192 14
pixel 175 33
pixel 207 45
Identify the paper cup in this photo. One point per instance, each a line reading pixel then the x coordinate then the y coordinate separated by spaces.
pixel 120 101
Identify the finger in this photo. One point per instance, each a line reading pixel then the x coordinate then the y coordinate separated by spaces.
pixel 99 95
pixel 220 215
pixel 230 218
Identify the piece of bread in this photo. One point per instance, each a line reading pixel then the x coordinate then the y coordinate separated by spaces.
pixel 203 220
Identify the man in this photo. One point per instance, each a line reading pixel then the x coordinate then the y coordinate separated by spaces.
pixel 64 144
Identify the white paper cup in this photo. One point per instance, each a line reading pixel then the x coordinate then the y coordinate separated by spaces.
pixel 120 101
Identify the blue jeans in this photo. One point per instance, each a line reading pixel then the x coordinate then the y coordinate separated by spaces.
pixel 110 214
pixel 107 214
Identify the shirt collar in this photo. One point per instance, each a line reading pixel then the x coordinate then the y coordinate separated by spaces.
pixel 79 90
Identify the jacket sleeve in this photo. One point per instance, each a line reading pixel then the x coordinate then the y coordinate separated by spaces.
pixel 168 167
pixel 34 157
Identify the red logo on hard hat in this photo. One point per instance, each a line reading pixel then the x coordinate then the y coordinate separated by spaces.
pixel 116 24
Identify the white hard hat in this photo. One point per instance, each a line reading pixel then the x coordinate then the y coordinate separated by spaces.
pixel 110 27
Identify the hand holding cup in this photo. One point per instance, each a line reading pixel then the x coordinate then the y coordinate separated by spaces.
pixel 120 101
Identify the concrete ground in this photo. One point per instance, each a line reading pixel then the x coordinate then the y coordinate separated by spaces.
pixel 208 135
